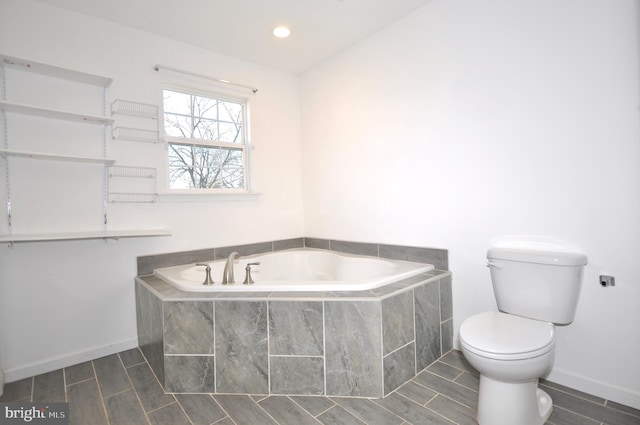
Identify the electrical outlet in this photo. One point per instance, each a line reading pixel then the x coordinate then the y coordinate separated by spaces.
pixel 607 280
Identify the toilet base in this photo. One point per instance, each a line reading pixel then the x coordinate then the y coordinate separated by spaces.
pixel 503 403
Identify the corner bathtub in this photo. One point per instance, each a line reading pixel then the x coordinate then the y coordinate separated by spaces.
pixel 296 270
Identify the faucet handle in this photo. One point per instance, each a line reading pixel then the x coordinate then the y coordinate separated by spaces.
pixel 247 277
pixel 207 279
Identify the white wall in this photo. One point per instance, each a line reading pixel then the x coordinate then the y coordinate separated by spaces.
pixel 63 302
pixel 470 120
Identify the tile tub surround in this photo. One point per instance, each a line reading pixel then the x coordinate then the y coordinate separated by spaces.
pixel 438 257
pixel 359 344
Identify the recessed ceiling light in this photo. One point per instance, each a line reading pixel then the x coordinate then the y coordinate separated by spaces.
pixel 282 32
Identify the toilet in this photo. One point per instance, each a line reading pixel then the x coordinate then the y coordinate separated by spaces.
pixel 536 283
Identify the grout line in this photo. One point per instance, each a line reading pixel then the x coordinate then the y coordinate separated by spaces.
pixel 133 388
pixel 104 406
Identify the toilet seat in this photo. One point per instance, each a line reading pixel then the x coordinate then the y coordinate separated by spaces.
pixel 502 336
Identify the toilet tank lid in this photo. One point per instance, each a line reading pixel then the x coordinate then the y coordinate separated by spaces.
pixel 539 250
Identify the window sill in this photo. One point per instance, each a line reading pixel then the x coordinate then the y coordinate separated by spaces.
pixel 206 196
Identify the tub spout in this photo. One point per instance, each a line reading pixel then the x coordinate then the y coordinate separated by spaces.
pixel 227 275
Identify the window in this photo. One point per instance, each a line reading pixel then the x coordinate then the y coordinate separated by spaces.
pixel 207 141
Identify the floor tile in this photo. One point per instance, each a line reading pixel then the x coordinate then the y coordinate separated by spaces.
pixel 171 414
pixel 286 412
pixel 131 357
pixel 243 410
pixel 452 410
pixel 417 393
pixel 411 411
pixel 49 387
pixel 338 416
pixel 314 405
pixel 151 394
pixel 85 404
pixel 117 389
pixel 111 375
pixel 368 411
pixel 124 409
pixel 78 373
pixel 17 391
pixel 444 370
pixel 200 408
pixel 448 388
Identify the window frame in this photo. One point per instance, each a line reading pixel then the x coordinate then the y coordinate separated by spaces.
pixel 246 147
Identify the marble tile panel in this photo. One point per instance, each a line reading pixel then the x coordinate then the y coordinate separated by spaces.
pixel 446 335
pixel 188 327
pixel 438 257
pixel 427 324
pixel 297 375
pixel 189 374
pixel 150 329
pixel 317 243
pixel 446 301
pixel 244 250
pixel 397 321
pixel 295 328
pixel 357 248
pixel 241 347
pixel 288 244
pixel 148 263
pixel 399 367
pixel 353 348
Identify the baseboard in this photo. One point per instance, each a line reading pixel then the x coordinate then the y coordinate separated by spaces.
pixel 51 364
pixel 626 396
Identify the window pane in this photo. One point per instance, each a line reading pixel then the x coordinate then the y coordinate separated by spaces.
pixel 203 167
pixel 231 133
pixel 230 112
pixel 177 102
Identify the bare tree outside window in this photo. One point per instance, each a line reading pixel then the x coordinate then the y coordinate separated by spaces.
pixel 207 142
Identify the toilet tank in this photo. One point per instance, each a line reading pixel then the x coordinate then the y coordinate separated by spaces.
pixel 538 279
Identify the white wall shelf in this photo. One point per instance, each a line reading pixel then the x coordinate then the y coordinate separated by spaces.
pixel 128 107
pixel 111 234
pixel 55 157
pixel 56 71
pixel 136 134
pixel 37 111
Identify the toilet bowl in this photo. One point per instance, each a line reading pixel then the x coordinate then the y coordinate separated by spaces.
pixel 510 353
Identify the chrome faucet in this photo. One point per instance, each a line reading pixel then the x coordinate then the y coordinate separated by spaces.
pixel 227 275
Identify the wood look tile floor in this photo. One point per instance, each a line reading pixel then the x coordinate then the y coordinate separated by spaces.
pixel 122 390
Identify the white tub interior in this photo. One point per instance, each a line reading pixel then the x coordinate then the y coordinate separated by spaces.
pixel 296 270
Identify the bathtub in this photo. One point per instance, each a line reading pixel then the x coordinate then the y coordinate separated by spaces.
pixel 296 270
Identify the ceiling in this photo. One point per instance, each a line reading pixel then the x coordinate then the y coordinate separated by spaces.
pixel 243 28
